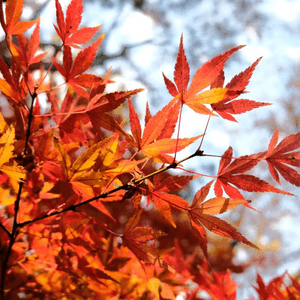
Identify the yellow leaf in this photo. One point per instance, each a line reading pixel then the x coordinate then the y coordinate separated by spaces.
pixel 7 140
pixel 5 198
pixel 63 157
pixel 153 286
pixel 208 97
pixel 125 166
pixel 6 145
pixel 75 229
pixel 43 280
pixel 91 179
pixel 14 171
pixel 86 160
pixel 108 155
pixel 3 125
pixel 82 183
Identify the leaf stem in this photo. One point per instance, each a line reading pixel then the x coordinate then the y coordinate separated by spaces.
pixel 179 123
pixel 49 69
pixel 204 133
pixel 196 173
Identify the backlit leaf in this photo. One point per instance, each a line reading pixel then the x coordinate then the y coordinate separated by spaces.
pixel 14 171
pixel 230 176
pixel 218 205
pixel 201 195
pixel 284 154
pixel 222 228
pixel 157 123
pixel 85 58
pixel 87 159
pixel 7 140
pixel 208 73
pixel 208 97
pixel 145 234
pixel 63 158
pixel 13 11
pixel 170 86
pixel 167 146
pixel 81 36
pixel 73 15
pixel 135 125
pixel 182 69
pixel 228 106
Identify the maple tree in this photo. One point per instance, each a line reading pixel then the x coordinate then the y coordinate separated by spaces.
pixel 75 181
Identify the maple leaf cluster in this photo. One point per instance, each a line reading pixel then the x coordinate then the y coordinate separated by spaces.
pixel 88 209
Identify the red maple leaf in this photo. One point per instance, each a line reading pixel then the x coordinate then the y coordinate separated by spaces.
pixel 272 290
pixel 73 70
pixel 67 28
pixel 135 238
pixel 203 77
pixel 231 178
pixel 181 73
pixel 228 106
pixel 278 157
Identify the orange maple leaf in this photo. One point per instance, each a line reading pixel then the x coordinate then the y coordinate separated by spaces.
pixel 67 28
pixel 13 86
pixel 27 48
pixel 201 215
pixel 13 12
pixel 156 142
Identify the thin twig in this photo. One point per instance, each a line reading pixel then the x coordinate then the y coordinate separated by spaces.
pixel 5 229
pixel 126 186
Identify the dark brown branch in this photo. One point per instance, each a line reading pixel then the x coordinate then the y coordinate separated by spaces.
pixel 14 233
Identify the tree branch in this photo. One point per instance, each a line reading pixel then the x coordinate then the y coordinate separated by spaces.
pixel 14 233
pixel 126 186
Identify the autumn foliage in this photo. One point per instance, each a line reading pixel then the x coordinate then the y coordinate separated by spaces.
pixel 88 207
